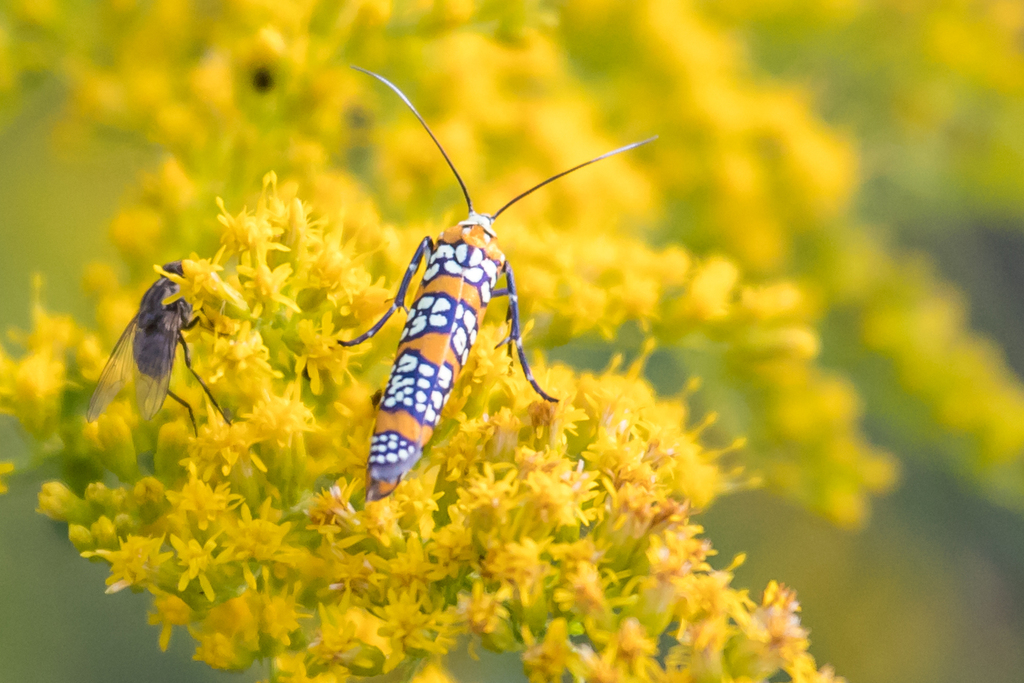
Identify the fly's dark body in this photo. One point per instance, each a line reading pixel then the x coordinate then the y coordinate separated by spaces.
pixel 148 344
pixel 157 326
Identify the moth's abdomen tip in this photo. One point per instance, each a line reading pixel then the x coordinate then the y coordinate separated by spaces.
pixel 377 489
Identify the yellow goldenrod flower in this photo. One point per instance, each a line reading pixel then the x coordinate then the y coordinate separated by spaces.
pixel 169 611
pixel 196 559
pixel 321 352
pixel 416 625
pixel 547 660
pixel 279 617
pixel 201 284
pixel 135 563
pixel 259 539
pixel 200 502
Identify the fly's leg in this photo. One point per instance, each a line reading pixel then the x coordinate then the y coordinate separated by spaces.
pixel 426 247
pixel 197 321
pixel 191 415
pixel 188 364
pixel 515 334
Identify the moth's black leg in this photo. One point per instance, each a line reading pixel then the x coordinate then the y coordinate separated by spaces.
pixel 515 334
pixel 191 415
pixel 503 291
pixel 426 247
pixel 188 364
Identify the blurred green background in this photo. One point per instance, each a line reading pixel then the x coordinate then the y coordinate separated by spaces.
pixel 931 590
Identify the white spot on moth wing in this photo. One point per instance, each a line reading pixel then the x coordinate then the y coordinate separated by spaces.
pixel 425 302
pixel 460 252
pixel 438 321
pixel 416 325
pixel 389 402
pixel 476 256
pixel 445 251
pixel 431 272
pixel 459 341
pixel 469 317
pixel 392 458
pixel 421 397
pixel 474 275
pixel 430 416
pixel 485 293
pixel 406 363
pixel 437 398
pixel 491 268
pixel 444 376
pixel 426 370
pixel 423 383
pixel 441 305
pixel 452 268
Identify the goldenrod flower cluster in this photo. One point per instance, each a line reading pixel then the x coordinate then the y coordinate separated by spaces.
pixel 561 531
pixel 254 87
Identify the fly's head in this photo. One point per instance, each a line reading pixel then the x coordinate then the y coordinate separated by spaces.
pixel 179 307
pixel 174 267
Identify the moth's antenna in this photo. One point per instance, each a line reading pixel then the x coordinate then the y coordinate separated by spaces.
pixel 465 192
pixel 574 168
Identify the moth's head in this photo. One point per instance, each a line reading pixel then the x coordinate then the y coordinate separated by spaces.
pixel 478 224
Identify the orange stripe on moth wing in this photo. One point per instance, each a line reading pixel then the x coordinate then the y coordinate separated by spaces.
pixel 403 423
pixel 458 289
pixel 455 287
pixel 434 347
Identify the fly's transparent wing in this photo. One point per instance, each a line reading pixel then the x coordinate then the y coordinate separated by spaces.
pixel 115 373
pixel 154 357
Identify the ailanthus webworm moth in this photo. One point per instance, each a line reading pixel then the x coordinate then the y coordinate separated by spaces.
pixel 463 267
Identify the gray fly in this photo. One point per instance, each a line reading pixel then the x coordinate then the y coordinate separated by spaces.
pixel 149 344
